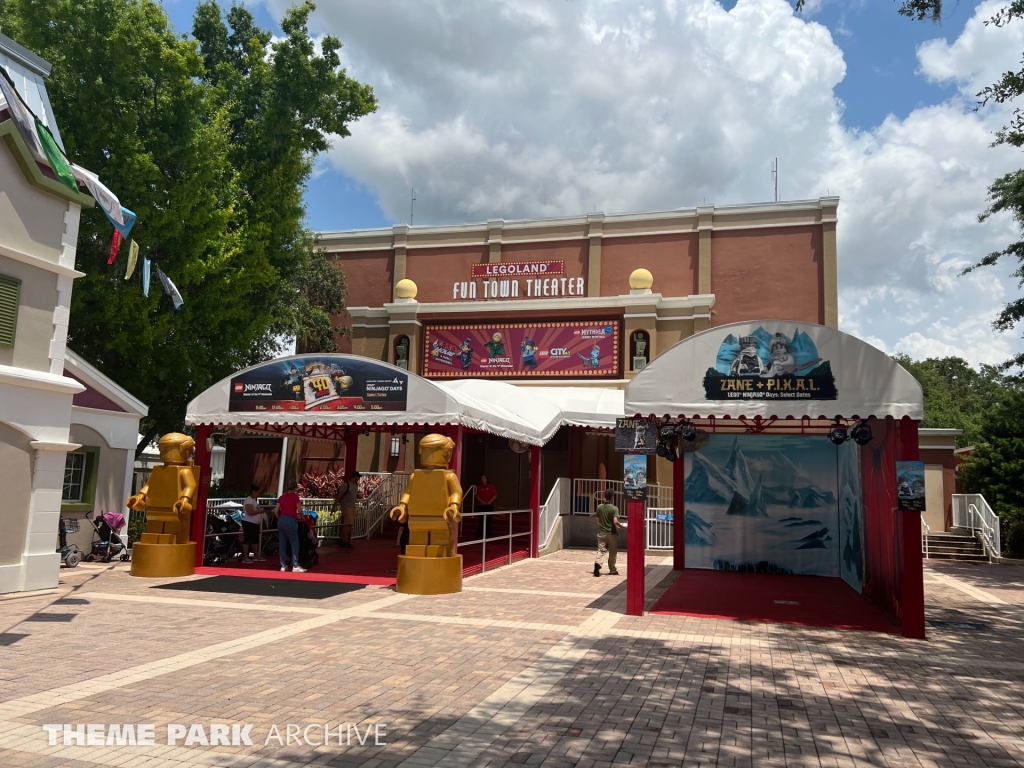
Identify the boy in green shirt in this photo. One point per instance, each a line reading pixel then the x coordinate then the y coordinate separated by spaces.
pixel 607 535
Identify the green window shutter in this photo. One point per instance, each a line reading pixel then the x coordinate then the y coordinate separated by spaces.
pixel 10 296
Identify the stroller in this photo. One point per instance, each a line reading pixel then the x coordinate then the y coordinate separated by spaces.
pixel 107 542
pixel 308 541
pixel 69 554
pixel 223 534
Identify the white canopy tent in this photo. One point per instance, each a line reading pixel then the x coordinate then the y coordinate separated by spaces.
pixel 489 406
pixel 805 370
pixel 593 407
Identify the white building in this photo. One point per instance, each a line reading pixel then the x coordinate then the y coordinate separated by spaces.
pixel 38 234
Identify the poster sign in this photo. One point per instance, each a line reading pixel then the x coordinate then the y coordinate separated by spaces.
pixel 565 349
pixel 319 383
pixel 634 477
pixel 517 269
pixel 769 365
pixel 636 436
pixel 910 486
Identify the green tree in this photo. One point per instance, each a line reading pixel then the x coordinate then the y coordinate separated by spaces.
pixel 210 141
pixel 996 467
pixel 319 295
pixel 956 396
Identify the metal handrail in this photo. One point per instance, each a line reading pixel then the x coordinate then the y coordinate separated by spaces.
pixel 927 529
pixel 509 536
pixel 971 510
pixel 987 532
pixel 556 505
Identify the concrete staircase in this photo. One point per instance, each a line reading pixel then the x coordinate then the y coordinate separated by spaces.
pixel 957 544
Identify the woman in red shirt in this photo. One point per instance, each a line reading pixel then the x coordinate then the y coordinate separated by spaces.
pixel 287 512
pixel 486 495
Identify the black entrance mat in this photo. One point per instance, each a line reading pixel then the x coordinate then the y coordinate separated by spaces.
pixel 242 585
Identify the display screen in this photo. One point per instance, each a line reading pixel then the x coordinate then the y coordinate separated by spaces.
pixel 551 349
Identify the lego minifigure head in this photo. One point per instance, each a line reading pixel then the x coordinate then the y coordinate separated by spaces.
pixel 175 448
pixel 436 451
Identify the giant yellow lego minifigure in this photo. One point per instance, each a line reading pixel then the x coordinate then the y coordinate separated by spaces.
pixel 431 506
pixel 168 498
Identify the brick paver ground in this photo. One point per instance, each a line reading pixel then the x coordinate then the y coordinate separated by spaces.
pixel 535 664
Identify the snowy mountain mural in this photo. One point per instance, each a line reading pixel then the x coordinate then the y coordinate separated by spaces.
pixel 771 502
pixel 709 484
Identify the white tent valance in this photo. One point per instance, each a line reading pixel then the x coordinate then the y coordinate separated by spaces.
pixel 774 368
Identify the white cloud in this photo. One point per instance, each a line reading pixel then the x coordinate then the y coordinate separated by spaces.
pixel 543 108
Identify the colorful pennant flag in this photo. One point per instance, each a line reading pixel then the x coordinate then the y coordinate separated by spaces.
pixel 107 200
pixel 129 222
pixel 55 157
pixel 133 255
pixel 169 288
pixel 115 245
pixel 145 276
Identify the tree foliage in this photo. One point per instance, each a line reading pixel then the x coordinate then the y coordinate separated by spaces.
pixel 996 466
pixel 210 140
pixel 956 396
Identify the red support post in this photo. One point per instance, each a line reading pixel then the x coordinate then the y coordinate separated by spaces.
pixel 635 539
pixel 909 531
pixel 456 464
pixel 351 453
pixel 456 434
pixel 678 516
pixel 535 478
pixel 201 459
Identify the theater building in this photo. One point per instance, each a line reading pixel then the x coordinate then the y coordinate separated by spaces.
pixel 584 301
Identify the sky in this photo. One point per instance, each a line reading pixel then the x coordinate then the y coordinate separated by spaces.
pixel 538 108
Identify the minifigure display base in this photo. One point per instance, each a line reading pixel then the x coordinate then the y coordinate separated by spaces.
pixel 429 575
pixel 154 561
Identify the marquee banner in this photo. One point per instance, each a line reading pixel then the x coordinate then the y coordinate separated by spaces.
pixel 518 269
pixel 319 383
pixel 563 349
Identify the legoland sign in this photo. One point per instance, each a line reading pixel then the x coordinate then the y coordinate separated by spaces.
pixel 518 269
pixel 564 349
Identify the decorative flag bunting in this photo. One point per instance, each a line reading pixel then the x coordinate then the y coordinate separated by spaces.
pixel 107 200
pixel 22 115
pixel 115 245
pixel 133 255
pixel 55 157
pixel 169 288
pixel 145 276
pixel 129 222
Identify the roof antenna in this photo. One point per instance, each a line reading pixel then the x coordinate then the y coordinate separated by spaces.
pixel 775 175
pixel 412 206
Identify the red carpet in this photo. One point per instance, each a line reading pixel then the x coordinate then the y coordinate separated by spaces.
pixel 370 561
pixel 812 601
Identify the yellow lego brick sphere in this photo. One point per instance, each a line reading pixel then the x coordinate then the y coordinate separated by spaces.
pixel 641 279
pixel 405 289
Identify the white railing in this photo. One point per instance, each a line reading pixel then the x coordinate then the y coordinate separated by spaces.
pixel 503 537
pixel 970 510
pixel 584 492
pixel 385 493
pixel 556 505
pixel 925 530
pixel 658 524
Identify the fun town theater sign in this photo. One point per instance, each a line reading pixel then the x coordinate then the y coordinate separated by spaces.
pixel 518 279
